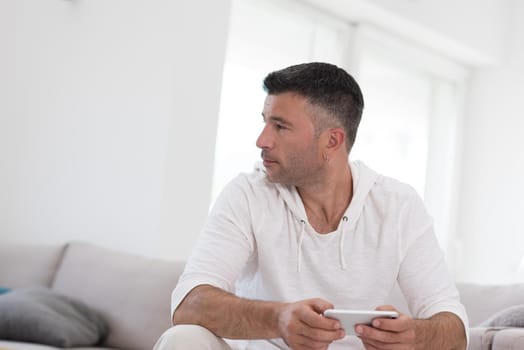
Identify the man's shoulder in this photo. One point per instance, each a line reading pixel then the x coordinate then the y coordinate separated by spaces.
pixel 254 183
pixel 379 184
pixel 254 179
pixel 390 187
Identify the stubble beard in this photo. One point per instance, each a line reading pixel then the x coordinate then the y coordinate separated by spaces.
pixel 300 170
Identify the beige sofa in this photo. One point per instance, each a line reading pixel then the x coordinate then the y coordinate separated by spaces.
pixel 132 293
pixel 482 302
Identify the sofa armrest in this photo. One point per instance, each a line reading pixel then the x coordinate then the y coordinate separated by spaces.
pixel 481 338
pixel 509 339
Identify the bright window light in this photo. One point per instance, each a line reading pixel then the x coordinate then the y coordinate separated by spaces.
pixel 264 36
pixel 393 135
pixel 412 96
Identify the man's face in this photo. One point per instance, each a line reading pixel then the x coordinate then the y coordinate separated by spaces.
pixel 290 150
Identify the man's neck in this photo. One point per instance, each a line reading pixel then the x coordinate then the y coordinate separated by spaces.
pixel 326 201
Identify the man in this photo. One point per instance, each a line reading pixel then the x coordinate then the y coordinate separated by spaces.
pixel 309 231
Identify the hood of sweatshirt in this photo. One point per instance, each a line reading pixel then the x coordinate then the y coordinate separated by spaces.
pixel 363 180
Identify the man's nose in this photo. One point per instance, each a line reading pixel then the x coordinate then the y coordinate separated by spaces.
pixel 265 140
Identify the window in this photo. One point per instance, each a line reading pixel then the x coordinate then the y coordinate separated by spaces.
pixel 265 36
pixel 393 135
pixel 412 96
pixel 413 101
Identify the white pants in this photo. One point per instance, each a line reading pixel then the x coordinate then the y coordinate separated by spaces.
pixel 185 336
pixel 193 337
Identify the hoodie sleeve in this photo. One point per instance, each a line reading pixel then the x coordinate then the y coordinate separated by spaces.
pixel 423 277
pixel 223 248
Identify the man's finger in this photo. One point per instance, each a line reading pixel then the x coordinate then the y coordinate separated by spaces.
pixel 379 336
pixel 315 320
pixel 314 317
pixel 321 334
pixel 386 308
pixel 371 333
pixel 320 305
pixel 400 324
pixel 376 345
pixel 313 343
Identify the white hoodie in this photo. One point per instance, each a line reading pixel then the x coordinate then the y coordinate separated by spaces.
pixel 258 244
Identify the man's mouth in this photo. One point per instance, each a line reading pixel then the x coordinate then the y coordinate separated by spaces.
pixel 267 160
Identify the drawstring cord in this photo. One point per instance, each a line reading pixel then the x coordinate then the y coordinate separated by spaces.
pixel 299 246
pixel 341 244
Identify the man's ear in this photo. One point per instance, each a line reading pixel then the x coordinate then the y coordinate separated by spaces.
pixel 336 140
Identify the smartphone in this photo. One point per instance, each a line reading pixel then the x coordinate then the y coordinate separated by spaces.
pixel 350 318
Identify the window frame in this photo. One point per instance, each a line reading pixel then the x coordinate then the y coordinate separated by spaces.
pixel 442 174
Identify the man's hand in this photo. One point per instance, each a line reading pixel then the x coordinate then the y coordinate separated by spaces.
pixel 443 331
pixel 388 334
pixel 302 325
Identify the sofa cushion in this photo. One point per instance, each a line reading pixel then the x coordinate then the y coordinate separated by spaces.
pixel 15 345
pixel 132 293
pixel 510 317
pixel 28 265
pixel 42 316
pixel 509 339
pixel 483 301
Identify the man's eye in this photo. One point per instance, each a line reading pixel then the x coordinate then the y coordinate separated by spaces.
pixel 279 126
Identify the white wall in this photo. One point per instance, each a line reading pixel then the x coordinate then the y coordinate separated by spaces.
pixel 107 120
pixel 469 31
pixel 478 24
pixel 108 117
pixel 492 206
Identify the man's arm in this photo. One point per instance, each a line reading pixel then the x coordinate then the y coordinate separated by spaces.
pixel 227 315
pixel 442 331
pixel 300 324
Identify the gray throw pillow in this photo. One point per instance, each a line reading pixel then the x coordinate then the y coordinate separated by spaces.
pixel 511 317
pixel 39 315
